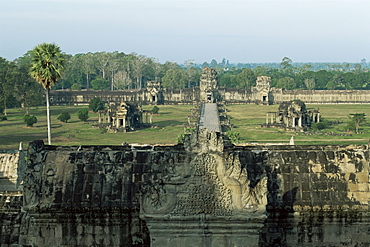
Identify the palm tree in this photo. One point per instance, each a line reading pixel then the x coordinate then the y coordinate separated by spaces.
pixel 47 66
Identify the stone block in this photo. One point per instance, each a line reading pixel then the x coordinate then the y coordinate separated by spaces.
pixel 362 177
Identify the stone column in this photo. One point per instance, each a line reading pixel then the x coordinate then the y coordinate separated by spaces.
pixel 267 118
pixel 318 117
pixel 300 121
pixel 293 122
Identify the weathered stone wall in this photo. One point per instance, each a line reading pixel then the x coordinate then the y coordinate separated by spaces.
pixel 10 219
pixel 12 166
pixel 322 96
pixel 206 192
pixel 84 197
pixel 229 95
pixel 318 196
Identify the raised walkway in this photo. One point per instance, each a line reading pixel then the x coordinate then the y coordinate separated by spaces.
pixel 209 117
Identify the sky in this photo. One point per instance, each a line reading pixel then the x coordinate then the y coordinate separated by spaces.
pixel 248 31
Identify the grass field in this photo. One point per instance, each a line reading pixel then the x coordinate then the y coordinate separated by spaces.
pixel 248 118
pixel 170 121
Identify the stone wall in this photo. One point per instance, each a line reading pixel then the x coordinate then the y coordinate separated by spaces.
pixel 228 95
pixel 12 167
pixel 322 96
pixel 205 192
pixel 318 196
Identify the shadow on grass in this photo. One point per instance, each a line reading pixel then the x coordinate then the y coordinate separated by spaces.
pixel 12 141
pixel 53 126
pixel 167 123
pixel 6 123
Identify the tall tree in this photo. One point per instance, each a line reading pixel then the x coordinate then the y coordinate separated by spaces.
pixel 101 61
pixel 286 62
pixel 7 70
pixel 87 61
pixel 26 91
pixel 190 72
pixel 356 120
pixel 309 83
pixel 47 67
pixel 174 79
pixel 137 65
pixel 245 79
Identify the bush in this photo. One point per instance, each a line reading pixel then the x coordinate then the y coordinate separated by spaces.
pixel 96 104
pixel 180 138
pixel 320 125
pixel 233 136
pixel 64 117
pixel 83 115
pixel 29 120
pixel 155 109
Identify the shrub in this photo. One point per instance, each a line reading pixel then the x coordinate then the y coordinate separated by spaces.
pixel 155 109
pixel 83 115
pixel 356 121
pixel 96 104
pixel 29 120
pixel 180 138
pixel 320 125
pixel 233 136
pixel 64 116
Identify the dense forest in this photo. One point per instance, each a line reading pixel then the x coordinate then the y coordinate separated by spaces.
pixel 117 71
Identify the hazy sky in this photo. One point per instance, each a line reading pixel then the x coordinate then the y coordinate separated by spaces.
pixel 178 30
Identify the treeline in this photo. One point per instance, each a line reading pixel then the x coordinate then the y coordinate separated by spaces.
pixel 117 71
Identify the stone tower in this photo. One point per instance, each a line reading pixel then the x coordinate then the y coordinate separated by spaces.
pixel 262 89
pixel 208 86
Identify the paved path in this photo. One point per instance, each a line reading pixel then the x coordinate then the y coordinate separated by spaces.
pixel 209 117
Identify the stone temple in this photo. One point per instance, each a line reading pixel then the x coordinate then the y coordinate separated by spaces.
pixel 205 191
pixel 293 116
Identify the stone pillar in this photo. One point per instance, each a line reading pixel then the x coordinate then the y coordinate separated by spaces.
pixel 267 118
pixel 272 118
pixel 300 121
pixel 151 118
pixel 293 122
pixel 318 117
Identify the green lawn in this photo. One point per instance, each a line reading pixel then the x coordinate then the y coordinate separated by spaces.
pixel 170 121
pixel 248 118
